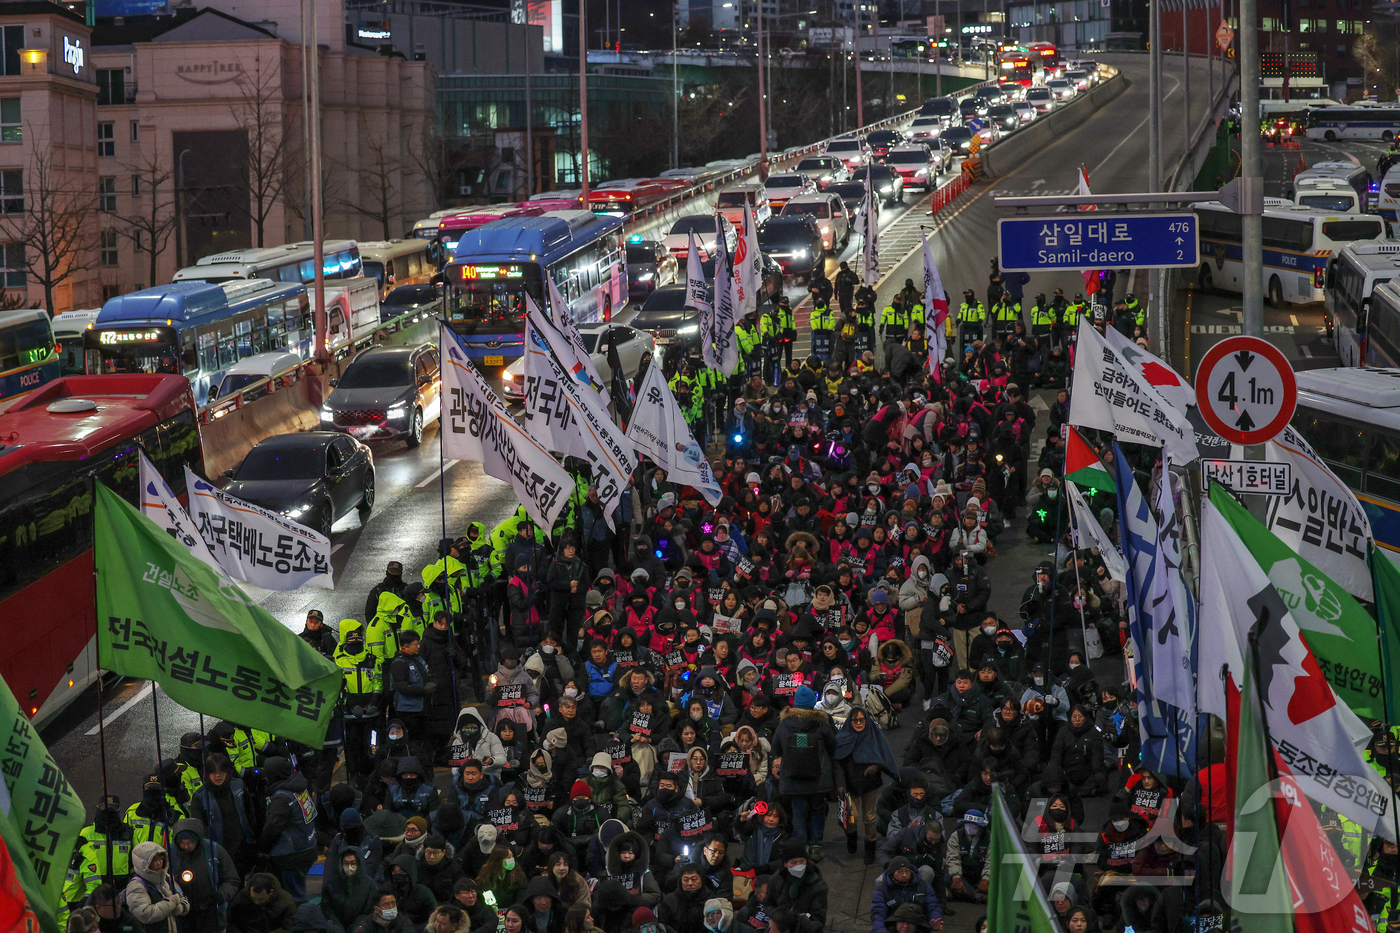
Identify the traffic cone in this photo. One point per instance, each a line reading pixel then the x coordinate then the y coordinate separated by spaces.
pixel 1301 167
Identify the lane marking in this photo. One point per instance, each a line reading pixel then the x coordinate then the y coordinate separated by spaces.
pixel 436 473
pixel 1294 319
pixel 123 709
pixel 337 547
pixel 1134 132
pixel 1307 353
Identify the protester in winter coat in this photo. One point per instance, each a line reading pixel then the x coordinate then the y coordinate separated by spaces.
pixel 350 892
pixel 261 907
pixel 151 896
pixel 212 880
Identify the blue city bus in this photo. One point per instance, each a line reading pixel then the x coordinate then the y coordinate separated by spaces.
pixel 198 329
pixel 28 354
pixel 1351 417
pixel 497 264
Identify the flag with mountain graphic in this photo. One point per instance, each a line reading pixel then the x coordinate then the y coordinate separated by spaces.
pixel 1083 466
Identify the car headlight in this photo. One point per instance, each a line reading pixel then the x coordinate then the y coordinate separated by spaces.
pixel 688 329
pixel 397 411
pixel 646 276
pixel 799 253
pixel 507 376
pixel 327 414
pixel 885 189
pixel 297 511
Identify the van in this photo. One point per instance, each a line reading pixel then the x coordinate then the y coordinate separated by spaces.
pixel 731 203
pixel 254 369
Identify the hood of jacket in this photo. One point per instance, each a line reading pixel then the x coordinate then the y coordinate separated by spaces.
pixel 350 625
pixel 539 886
pixel 469 713
pixel 1138 919
pixel 920 561
pixel 141 863
pixel 746 665
pixel 408 764
pixel 189 825
pixel 389 603
pixel 905 656
pixel 643 860
pixel 807 715
pixel 409 864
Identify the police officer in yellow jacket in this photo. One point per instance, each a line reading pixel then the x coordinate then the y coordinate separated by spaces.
pixel 152 817
pixel 363 701
pixel 102 855
pixel 894 321
pixel 1006 313
pixel 972 317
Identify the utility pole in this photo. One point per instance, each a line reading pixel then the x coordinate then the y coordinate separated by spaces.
pixel 583 102
pixel 762 101
pixel 860 101
pixel 1251 176
pixel 318 232
pixel 529 128
pixel 938 44
pixel 1158 300
pixel 1186 75
pixel 675 92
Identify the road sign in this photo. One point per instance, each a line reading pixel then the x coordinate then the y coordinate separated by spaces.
pixel 1262 477
pixel 1119 241
pixel 1224 35
pixel 1245 390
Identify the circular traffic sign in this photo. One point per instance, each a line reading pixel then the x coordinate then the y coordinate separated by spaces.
pixel 1245 390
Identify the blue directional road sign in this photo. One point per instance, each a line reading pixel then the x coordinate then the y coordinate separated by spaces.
pixel 1093 240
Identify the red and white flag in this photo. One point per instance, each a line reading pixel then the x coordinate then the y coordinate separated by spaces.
pixel 1091 276
pixel 935 312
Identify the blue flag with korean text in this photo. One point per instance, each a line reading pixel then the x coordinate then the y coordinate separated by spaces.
pixel 1168 732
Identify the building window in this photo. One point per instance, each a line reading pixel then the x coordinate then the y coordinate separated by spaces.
pixel 107 194
pixel 12 265
pixel 135 131
pixel 110 256
pixel 106 139
pixel 138 243
pixel 12 40
pixel 11 128
pixel 136 186
pixel 12 191
pixel 111 86
pixel 1305 25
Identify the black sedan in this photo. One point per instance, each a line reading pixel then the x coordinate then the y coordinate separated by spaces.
pixel 314 478
pixel 649 266
pixel 669 320
pixel 1003 117
pixel 419 300
pixel 881 142
pixel 795 242
pixel 971 107
pixel 851 193
pixel 885 180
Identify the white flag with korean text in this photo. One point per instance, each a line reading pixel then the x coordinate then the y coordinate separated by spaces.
pixel 748 263
pixel 161 506
pixel 870 235
pixel 476 426
pixel 658 429
pixel 720 344
pixel 1109 394
pixel 1090 534
pixel 559 411
pixel 256 545
pixel 582 365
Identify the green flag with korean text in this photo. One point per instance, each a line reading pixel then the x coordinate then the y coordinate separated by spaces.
pixel 165 615
pixel 1341 634
pixel 40 818
pixel 1015 899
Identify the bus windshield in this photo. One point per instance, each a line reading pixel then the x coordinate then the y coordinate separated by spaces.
pixel 494 295
pixel 138 350
pixel 25 343
pixel 1327 202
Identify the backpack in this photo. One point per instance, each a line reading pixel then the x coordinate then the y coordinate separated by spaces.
pixel 879 708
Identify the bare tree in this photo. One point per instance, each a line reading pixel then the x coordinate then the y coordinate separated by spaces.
pixel 273 153
pixel 57 228
pixel 382 167
pixel 437 160
pixel 151 228
pixel 1375 50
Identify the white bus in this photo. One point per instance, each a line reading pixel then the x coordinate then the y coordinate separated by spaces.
pixel 1333 123
pixel 1297 247
pixel 427 228
pixel 1351 280
pixel 396 262
pixel 293 262
pixel 1340 187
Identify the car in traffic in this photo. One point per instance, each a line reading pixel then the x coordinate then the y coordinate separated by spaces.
pixel 704 226
pixel 923 129
pixel 419 299
pixel 1079 78
pixel 832 219
pixel 959 139
pixel 943 108
pixel 852 195
pixel 850 150
pixel 1003 117
pixel 881 142
pixel 598 338
pixel 250 371
pixel 386 393
pixel 668 320
pixel 824 170
pixel 314 478
pixel 916 165
pixel 795 242
pixel 992 94
pixel 972 107
pixel 1026 111
pixel 886 182
pixel 1012 91
pixel 1041 98
pixel 731 201
pixel 783 188
pixel 649 266
pixel 1062 88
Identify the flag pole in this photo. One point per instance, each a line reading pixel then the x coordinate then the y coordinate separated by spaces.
pixel 101 717
pixel 1385 681
pixel 1074 539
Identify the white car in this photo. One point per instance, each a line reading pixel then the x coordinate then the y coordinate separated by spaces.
pixel 849 149
pixel 830 214
pixel 783 188
pixel 677 240
pixel 632 345
pixel 1062 88
pixel 1013 90
pixel 1079 78
pixel 1041 98
pixel 917 165
pixel 923 129
pixel 1026 111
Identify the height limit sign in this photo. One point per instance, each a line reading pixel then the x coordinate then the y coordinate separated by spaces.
pixel 1245 390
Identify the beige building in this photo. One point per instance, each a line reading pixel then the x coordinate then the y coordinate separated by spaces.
pixel 199 140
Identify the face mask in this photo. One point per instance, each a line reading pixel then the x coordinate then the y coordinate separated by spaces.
pixel 1052 493
pixel 874 490
pixel 1059 816
pixel 547 649
pixel 680 605
pixel 391 913
pixel 923 576
pixel 1039 681
pixel 797 871
pixel 1073 666
pixel 989 629
pixel 600 772
pixel 571 691
pixel 509 864
pixel 1120 825
pixel 972 830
